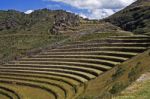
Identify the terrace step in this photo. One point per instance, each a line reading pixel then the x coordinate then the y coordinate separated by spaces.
pixel 106 57
pixel 114 40
pixel 118 40
pixel 73 72
pixel 83 64
pixel 106 44
pixel 65 87
pixel 10 94
pixel 69 67
pixel 133 40
pixel 78 91
pixel 59 60
pixel 66 80
pixel 26 91
pixel 4 95
pixel 75 84
pixel 22 82
pixel 111 39
pixel 75 77
pixel 125 49
pixel 132 37
pixel 110 53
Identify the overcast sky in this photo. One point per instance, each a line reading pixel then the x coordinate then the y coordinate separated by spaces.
pixel 93 9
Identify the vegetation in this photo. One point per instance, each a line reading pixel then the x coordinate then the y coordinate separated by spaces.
pixel 87 64
pixel 59 71
pixel 119 72
pixel 40 21
pixel 20 32
pixel 18 45
pixel 138 90
pixel 117 87
pixel 134 72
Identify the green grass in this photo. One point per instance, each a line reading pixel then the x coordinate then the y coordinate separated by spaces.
pixel 27 92
pixel 143 92
pixel 17 45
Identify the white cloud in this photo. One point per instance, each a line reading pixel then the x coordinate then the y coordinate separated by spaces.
pixel 97 8
pixel 97 4
pixel 83 15
pixel 28 11
pixel 97 13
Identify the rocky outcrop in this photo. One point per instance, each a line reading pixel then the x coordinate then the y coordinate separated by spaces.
pixel 63 20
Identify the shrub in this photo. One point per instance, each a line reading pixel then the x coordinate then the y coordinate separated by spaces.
pixel 118 73
pixel 117 87
pixel 134 72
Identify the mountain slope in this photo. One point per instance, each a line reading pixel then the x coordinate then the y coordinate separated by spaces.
pixel 135 18
pixel 20 32
pixel 39 21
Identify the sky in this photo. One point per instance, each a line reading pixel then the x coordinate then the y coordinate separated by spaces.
pixel 92 9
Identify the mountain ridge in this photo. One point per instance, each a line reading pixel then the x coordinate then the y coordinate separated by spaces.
pixel 16 21
pixel 134 18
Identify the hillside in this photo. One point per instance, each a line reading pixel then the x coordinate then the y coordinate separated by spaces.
pixel 54 54
pixel 21 33
pixel 69 71
pixel 135 18
pixel 39 21
pixel 140 89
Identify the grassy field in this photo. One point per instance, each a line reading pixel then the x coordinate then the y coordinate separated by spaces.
pixel 138 90
pixel 12 45
pixel 18 44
